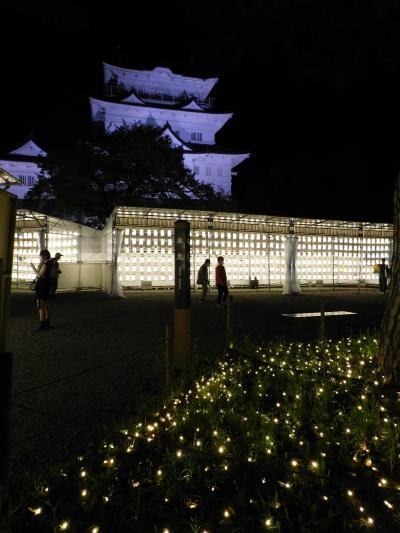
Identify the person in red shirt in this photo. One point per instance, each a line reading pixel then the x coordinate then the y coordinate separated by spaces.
pixel 221 281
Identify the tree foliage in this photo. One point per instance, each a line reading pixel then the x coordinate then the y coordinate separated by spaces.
pixel 133 165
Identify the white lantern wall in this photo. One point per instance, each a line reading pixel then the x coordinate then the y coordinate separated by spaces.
pixel 252 248
pixel 146 255
pixel 81 248
pixel 26 251
pixel 341 258
pixel 66 243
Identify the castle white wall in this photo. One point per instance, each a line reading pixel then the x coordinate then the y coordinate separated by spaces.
pixel 26 172
pixel 214 169
pixel 184 123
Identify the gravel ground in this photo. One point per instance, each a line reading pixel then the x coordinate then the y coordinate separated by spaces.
pixel 92 330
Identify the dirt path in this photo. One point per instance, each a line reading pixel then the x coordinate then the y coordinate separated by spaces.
pixel 114 349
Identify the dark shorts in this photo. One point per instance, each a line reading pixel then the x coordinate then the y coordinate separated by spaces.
pixel 42 290
pixel 42 295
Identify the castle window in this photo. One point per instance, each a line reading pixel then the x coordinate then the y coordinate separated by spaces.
pixel 27 180
pixel 196 170
pixel 208 171
pixel 196 136
pixel 219 171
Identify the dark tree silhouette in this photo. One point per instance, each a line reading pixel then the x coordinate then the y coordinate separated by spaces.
pixel 389 347
pixel 133 165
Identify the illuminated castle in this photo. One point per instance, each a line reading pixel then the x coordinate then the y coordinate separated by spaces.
pixel 180 105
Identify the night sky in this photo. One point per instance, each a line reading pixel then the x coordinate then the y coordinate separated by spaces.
pixel 315 90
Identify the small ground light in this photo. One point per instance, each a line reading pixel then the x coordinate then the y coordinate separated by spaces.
pixel 36 511
pixel 64 525
pixel 226 513
pixel 268 522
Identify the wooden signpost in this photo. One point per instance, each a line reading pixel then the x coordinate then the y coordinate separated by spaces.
pixel 182 298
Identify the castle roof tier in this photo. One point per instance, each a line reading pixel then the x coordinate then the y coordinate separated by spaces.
pixel 158 85
pixel 29 149
pixel 23 164
pixel 197 153
pixel 7 178
pixel 176 141
pixel 188 123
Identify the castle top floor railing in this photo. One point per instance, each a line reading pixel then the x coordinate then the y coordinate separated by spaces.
pixel 157 97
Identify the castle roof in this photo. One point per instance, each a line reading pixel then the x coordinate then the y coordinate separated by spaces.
pixel 176 141
pixel 158 78
pixel 7 178
pixel 175 108
pixel 29 149
pixel 192 106
pixel 236 156
pixel 132 98
pixel 29 152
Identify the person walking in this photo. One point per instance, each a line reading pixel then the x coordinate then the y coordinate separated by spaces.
pixel 203 279
pixel 55 273
pixel 384 273
pixel 221 281
pixel 42 289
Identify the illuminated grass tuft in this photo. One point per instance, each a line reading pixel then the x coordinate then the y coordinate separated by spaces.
pixel 284 437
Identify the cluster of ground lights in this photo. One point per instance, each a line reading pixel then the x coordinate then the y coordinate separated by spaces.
pixel 286 437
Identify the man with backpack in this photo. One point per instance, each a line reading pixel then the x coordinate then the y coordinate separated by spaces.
pixel 203 279
pixel 54 274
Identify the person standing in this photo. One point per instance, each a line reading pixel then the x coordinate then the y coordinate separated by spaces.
pixel 43 283
pixel 384 272
pixel 221 281
pixel 203 279
pixel 55 273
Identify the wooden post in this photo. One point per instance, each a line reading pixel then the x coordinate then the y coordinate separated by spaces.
pixel 182 344
pixel 322 320
pixel 5 394
pixel 168 356
pixel 7 232
pixel 230 323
